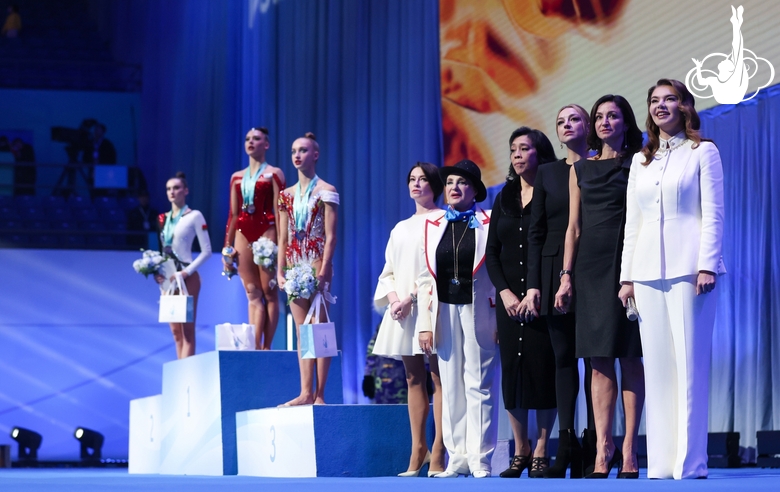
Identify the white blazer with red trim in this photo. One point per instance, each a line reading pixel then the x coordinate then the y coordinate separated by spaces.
pixel 483 292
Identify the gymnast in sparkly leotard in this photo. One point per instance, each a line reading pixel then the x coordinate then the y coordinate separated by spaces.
pixel 254 193
pixel 308 213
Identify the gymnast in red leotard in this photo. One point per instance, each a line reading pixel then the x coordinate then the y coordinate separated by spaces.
pixel 254 194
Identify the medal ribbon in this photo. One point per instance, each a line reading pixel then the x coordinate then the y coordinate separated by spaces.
pixel 248 184
pixel 301 203
pixel 170 225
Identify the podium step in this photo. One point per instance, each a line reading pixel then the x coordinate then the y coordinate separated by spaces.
pixel 324 441
pixel 145 435
pixel 200 398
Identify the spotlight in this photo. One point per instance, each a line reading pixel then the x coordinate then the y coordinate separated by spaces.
pixel 90 440
pixel 29 442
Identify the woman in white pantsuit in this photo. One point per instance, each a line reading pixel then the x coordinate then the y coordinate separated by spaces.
pixel 671 260
pixel 458 320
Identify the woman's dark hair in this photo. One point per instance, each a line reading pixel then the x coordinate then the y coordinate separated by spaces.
pixel 431 173
pixel 181 177
pixel 691 121
pixel 632 139
pixel 262 130
pixel 544 149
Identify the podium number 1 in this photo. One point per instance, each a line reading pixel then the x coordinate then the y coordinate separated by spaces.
pixel 151 431
pixel 188 401
pixel 273 443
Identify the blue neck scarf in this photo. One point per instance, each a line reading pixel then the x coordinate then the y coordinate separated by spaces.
pixel 170 225
pixel 248 184
pixel 469 216
pixel 301 203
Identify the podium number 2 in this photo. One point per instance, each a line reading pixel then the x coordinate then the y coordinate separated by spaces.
pixel 273 443
pixel 188 401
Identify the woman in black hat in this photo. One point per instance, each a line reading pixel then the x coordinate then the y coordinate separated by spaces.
pixel 460 321
pixel 527 358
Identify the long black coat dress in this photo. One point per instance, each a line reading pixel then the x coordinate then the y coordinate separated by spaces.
pixel 527 359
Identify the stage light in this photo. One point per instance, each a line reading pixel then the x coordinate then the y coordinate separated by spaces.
pixel 90 440
pixel 29 442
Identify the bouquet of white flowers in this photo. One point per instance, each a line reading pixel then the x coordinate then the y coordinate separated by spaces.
pixel 264 251
pixel 150 262
pixel 299 282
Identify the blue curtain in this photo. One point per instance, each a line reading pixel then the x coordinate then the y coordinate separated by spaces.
pixel 363 76
pixel 745 382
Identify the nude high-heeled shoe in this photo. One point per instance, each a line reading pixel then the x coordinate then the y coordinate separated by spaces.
pixel 416 473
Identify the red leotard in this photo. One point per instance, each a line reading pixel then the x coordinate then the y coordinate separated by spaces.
pixel 252 226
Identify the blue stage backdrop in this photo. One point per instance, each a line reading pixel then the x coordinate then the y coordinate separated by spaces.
pixel 745 380
pixel 79 339
pixel 363 76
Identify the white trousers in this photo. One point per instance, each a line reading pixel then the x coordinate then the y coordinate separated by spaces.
pixel 469 388
pixel 676 329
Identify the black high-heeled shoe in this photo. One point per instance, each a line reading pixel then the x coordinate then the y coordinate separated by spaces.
pixel 588 451
pixel 616 457
pixel 622 474
pixel 569 453
pixel 538 467
pixel 516 466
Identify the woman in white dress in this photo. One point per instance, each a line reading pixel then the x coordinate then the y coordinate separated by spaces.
pixel 396 293
pixel 178 229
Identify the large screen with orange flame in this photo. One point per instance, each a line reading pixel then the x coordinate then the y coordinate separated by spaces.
pixel 510 63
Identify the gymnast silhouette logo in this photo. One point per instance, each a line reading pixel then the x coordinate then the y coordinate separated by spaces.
pixel 729 85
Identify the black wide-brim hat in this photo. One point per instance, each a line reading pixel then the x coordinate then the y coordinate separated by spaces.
pixel 470 171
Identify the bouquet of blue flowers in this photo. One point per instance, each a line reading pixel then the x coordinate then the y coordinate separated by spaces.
pixel 149 263
pixel 264 251
pixel 300 281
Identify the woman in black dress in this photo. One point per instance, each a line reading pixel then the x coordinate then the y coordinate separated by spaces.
pixel 549 220
pixel 597 190
pixel 527 359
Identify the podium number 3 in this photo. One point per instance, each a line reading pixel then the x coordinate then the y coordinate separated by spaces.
pixel 273 443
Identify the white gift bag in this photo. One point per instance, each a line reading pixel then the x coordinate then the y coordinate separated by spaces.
pixel 235 337
pixel 176 307
pixel 167 270
pixel 318 339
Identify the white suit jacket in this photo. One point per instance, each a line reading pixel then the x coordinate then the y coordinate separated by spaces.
pixel 483 292
pixel 674 213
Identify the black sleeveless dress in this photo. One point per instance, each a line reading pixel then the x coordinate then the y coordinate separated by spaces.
pixel 602 327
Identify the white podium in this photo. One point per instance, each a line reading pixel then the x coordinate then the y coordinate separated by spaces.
pixel 145 435
pixel 324 441
pixel 198 405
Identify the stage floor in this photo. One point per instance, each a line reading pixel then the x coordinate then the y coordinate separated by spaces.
pixel 80 480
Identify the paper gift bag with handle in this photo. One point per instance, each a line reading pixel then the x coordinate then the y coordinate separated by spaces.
pixel 318 339
pixel 176 305
pixel 235 337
